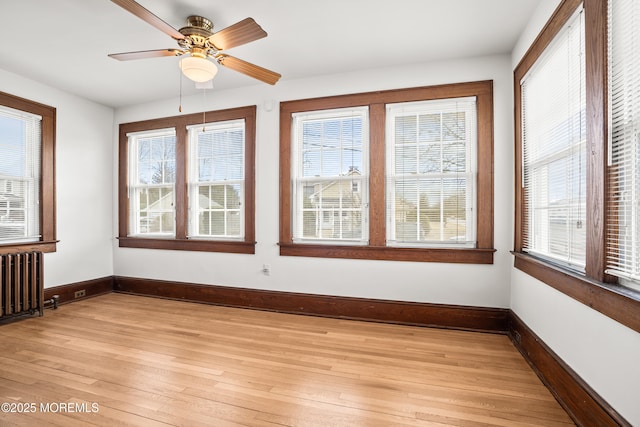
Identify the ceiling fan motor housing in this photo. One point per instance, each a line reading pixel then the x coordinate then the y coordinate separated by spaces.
pixel 196 37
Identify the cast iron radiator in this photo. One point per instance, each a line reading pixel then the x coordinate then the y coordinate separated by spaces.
pixel 22 284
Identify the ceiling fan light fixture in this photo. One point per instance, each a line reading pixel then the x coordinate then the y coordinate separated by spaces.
pixel 198 69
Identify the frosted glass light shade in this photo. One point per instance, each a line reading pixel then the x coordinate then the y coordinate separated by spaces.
pixel 198 69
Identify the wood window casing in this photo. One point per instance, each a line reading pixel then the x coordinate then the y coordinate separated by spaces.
pixel 377 248
pixel 47 242
pixel 595 289
pixel 181 241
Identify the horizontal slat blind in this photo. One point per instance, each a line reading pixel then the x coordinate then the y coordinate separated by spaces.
pixel 623 234
pixel 216 180
pixel 20 152
pixel 554 150
pixel 431 173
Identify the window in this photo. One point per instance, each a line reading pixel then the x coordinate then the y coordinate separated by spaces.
pixel 577 195
pixel 152 182
pixel 431 173
pixel 554 149
pixel 27 188
pixel 331 167
pixel 623 232
pixel 188 183
pixel 395 175
pixel 216 180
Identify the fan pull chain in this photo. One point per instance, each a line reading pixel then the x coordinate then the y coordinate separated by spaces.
pixel 180 106
pixel 204 93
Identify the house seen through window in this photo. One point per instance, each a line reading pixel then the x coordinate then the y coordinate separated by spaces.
pixel 188 183
pixel 331 172
pixel 389 175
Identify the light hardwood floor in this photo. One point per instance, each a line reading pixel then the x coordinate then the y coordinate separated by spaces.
pixel 147 361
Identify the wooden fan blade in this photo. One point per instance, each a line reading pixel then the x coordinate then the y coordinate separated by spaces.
pixel 128 56
pixel 239 33
pixel 142 13
pixel 249 69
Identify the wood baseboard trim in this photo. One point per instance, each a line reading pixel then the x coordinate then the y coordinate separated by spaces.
pixel 94 287
pixel 408 313
pixel 580 401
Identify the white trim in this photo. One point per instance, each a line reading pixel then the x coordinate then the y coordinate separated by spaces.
pixel 152 133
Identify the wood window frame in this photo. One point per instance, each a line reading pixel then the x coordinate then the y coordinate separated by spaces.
pixel 181 240
pixel 47 242
pixel 377 248
pixel 594 289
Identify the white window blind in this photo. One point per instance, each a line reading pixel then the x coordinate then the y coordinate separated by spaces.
pixel 330 176
pixel 431 173
pixel 554 150
pixel 152 175
pixel 216 180
pixel 20 153
pixel 623 234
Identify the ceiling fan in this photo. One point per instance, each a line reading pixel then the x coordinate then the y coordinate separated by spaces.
pixel 199 43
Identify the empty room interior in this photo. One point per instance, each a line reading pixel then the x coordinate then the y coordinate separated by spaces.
pixel 336 213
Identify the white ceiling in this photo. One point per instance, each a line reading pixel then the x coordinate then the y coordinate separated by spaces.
pixel 64 43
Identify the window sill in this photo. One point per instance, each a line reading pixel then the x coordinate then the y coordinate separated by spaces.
pixel 45 247
pixel 187 245
pixel 466 256
pixel 620 303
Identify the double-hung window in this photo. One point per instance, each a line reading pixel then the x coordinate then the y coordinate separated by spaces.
pixel 152 183
pixel 623 233
pixel 554 149
pixel 216 180
pixel 187 182
pixel 394 175
pixel 577 98
pixel 27 190
pixel 431 173
pixel 330 179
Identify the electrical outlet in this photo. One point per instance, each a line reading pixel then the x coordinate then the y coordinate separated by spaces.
pixel 517 337
pixel 80 293
pixel 266 269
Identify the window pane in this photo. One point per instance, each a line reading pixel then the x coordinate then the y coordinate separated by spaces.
pixel 155 210
pixel 429 157
pixel 454 158
pixel 430 127
pixel 554 149
pixel 406 129
pixel 430 174
pixel 330 146
pixel 217 180
pixel 19 176
pixel 333 210
pixel 156 159
pixel 152 204
pixel 407 159
pixel 623 233
pixel 431 210
pixel 453 126
pixel 12 145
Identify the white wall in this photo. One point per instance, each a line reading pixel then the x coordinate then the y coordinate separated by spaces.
pixel 600 350
pixel 478 285
pixel 603 352
pixel 84 170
